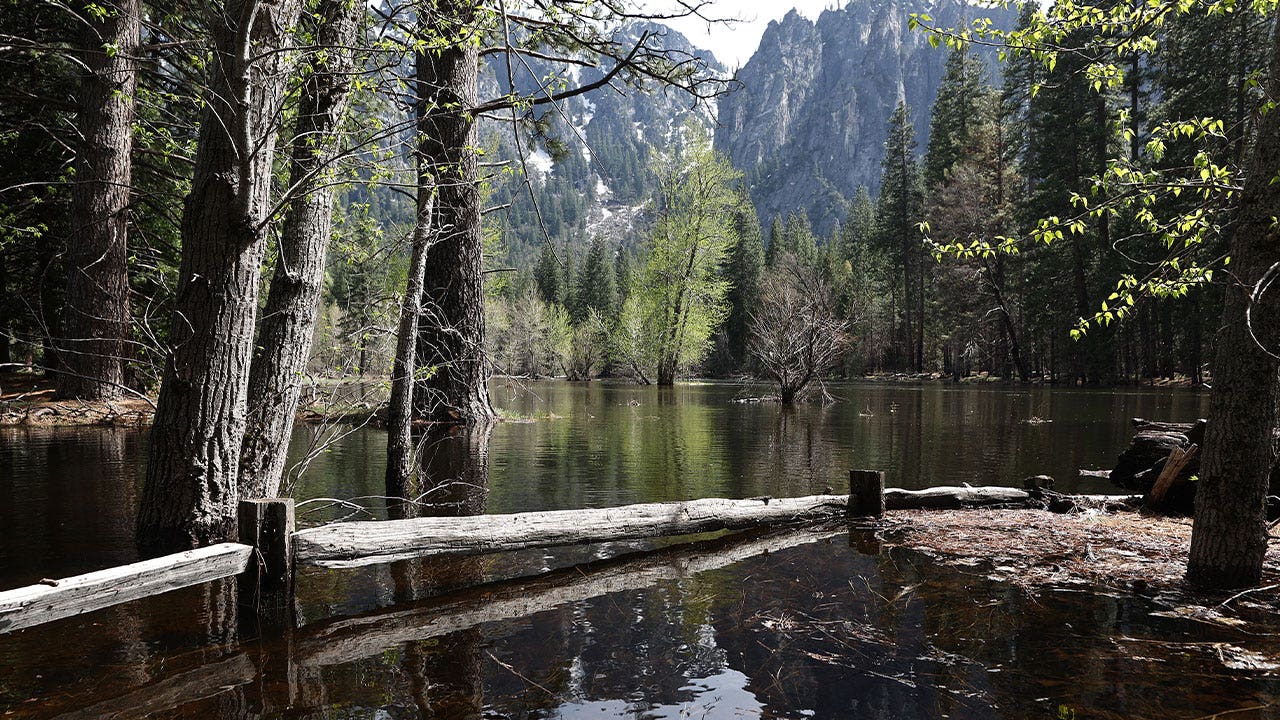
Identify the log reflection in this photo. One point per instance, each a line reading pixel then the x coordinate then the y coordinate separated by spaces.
pixel 445 676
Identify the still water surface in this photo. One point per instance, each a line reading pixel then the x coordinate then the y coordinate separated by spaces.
pixel 823 624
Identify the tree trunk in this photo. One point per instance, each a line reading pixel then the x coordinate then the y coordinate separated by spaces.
pixel 96 313
pixel 400 412
pixel 919 341
pixel 6 322
pixel 190 492
pixel 289 317
pixel 451 331
pixel 1229 539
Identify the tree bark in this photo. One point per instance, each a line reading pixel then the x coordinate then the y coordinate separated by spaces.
pixel 293 302
pixel 1229 539
pixel 190 492
pixel 451 331
pixel 400 411
pixel 96 312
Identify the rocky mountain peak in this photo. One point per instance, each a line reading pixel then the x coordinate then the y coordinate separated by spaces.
pixel 807 125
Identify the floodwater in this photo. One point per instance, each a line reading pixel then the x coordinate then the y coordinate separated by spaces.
pixel 818 623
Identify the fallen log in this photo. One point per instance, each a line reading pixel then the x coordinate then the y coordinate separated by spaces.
pixel 1193 430
pixel 56 599
pixel 1160 461
pixel 351 639
pixel 1139 465
pixel 353 544
pixel 1171 474
pixel 953 498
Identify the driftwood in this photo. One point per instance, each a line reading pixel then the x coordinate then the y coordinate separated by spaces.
pixel 953 498
pixel 1171 473
pixel 353 544
pixel 1161 460
pixel 56 599
pixel 350 639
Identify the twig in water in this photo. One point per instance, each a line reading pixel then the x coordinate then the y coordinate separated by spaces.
pixel 515 672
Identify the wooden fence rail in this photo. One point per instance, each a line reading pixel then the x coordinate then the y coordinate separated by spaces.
pixel 56 599
pixel 352 544
pixel 269 546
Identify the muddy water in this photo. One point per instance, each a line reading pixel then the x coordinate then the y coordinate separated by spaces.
pixel 809 624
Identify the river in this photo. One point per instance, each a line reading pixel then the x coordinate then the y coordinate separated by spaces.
pixel 826 624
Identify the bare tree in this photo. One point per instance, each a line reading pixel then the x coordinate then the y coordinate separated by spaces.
pixel 293 302
pixel 797 334
pixel 569 36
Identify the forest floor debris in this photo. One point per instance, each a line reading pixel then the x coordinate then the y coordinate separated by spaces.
pixel 27 399
pixel 1036 549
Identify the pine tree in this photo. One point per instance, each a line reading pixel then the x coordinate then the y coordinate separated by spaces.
pixel 746 261
pixel 1069 142
pixel 799 238
pixel 546 274
pixel 595 287
pixel 777 240
pixel 860 223
pixel 898 214
pixel 624 275
pixel 958 105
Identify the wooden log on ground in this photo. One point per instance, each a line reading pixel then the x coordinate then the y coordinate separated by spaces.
pixel 1172 472
pixel 954 498
pixel 1139 465
pixel 351 639
pixel 56 599
pixel 1193 430
pixel 353 544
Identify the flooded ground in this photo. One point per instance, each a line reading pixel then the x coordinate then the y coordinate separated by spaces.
pixel 816 623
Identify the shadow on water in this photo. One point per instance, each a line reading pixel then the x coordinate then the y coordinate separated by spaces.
pixel 819 622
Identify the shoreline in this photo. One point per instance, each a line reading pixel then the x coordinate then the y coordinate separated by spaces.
pixel 26 398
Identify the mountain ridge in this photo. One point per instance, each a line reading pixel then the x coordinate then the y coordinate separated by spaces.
pixel 808 122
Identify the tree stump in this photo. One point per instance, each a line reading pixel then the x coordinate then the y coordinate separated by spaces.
pixel 866 493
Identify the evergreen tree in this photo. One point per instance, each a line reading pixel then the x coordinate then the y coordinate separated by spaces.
pixel 799 238
pixel 595 287
pixel 898 214
pixel 978 305
pixel 746 261
pixel 860 223
pixel 623 274
pixel 1069 135
pixel 958 105
pixel 546 275
pixel 776 241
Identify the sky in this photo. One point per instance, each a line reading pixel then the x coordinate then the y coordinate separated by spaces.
pixel 734 43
